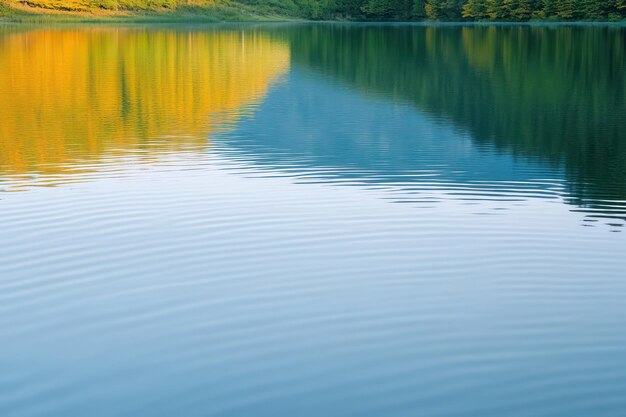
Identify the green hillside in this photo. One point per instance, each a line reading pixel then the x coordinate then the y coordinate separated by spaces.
pixel 346 10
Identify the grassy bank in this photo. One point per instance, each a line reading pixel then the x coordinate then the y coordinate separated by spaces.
pixel 281 10
pixel 33 11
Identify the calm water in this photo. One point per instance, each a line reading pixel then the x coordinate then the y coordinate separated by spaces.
pixel 313 220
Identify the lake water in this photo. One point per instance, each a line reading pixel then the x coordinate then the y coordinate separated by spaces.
pixel 313 220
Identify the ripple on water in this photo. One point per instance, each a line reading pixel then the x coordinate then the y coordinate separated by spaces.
pixel 259 231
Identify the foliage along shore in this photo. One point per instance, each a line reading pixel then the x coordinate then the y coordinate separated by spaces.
pixel 77 11
pixel 343 10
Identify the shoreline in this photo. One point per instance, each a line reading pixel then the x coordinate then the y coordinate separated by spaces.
pixel 234 13
pixel 223 13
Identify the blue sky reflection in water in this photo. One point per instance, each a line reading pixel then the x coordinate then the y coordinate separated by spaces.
pixel 332 228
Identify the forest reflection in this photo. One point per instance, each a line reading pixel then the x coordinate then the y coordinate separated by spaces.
pixel 555 94
pixel 86 94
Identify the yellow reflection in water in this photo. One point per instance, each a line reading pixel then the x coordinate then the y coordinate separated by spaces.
pixel 85 94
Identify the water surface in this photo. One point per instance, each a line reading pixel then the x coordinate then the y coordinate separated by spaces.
pixel 336 220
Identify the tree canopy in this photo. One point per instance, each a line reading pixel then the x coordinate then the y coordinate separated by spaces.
pixel 371 10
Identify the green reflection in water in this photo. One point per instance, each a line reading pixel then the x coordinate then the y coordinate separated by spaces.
pixel 554 93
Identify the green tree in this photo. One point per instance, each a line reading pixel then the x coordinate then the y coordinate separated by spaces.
pixel 350 9
pixel 374 8
pixel 419 9
pixel 495 10
pixel 597 9
pixel 567 9
pixel 549 9
pixel 521 10
pixel 475 9
pixel 433 9
pixel 402 9
pixel 443 9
